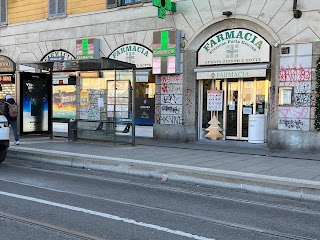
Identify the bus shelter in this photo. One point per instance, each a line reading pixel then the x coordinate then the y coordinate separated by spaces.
pixel 87 99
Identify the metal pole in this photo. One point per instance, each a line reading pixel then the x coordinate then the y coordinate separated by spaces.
pixel 51 100
pixel 133 96
pixel 114 107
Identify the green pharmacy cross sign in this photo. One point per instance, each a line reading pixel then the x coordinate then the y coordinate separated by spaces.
pixel 163 6
pixel 166 52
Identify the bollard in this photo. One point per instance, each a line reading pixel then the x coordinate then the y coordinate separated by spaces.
pixel 72 130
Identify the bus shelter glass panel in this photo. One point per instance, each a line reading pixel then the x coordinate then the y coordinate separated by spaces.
pixel 105 105
pixel 120 104
pixel 64 102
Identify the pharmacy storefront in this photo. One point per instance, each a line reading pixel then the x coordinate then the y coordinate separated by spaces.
pixel 233 74
pixel 141 56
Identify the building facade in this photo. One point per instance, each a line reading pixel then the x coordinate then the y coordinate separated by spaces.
pixel 238 58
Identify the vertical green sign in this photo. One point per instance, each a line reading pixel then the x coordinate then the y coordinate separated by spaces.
pixel 87 48
pixel 166 52
pixel 163 6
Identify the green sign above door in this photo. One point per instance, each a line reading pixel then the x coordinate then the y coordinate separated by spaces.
pixel 163 6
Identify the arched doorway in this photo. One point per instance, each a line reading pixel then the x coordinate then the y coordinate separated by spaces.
pixel 234 57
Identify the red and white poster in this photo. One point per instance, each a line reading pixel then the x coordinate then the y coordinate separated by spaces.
pixel 214 100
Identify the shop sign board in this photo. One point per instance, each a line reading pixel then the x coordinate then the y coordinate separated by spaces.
pixel 234 46
pixel 135 54
pixel 164 6
pixel 87 48
pixel 7 65
pixel 57 56
pixel 6 79
pixel 166 52
pixel 214 100
pixel 232 74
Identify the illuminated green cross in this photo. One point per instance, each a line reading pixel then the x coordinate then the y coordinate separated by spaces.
pixel 163 6
pixel 164 50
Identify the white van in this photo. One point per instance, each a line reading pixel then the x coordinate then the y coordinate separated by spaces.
pixel 4 137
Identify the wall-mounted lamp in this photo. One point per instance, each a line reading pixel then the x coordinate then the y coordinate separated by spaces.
pixel 183 41
pixel 296 13
pixel 276 44
pixel 227 13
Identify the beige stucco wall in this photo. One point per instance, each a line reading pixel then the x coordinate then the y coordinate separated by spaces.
pixel 115 27
pixel 198 20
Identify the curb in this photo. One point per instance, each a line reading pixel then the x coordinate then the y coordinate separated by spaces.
pixel 294 188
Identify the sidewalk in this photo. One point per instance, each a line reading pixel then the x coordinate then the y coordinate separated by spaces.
pixel 238 165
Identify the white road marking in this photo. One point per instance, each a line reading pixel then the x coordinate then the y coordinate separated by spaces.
pixel 105 215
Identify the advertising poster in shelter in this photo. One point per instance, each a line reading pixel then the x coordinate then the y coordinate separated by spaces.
pixel 64 102
pixel 84 96
pixel 36 102
pixel 144 111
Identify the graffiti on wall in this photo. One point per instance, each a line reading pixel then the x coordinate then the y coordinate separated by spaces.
pixel 294 112
pixel 189 100
pixel 294 75
pixel 171 84
pixel 296 71
pixel 169 119
pixel 272 101
pixel 169 100
pixel 294 124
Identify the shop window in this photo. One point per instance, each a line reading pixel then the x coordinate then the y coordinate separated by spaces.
pixel 112 3
pixel 285 96
pixel 3 11
pixel 57 8
pixel 116 3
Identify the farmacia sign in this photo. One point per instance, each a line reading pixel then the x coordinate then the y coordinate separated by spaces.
pixel 135 54
pixel 234 46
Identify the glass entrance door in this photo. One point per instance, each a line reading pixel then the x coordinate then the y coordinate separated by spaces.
pixel 232 110
pixel 244 97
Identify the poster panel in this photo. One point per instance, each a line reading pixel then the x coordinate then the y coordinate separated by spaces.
pixel 36 102
pixel 64 102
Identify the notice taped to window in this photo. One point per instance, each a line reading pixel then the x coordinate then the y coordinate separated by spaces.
pixel 214 100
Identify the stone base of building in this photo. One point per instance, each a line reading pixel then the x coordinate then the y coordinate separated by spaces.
pixel 293 140
pixel 176 133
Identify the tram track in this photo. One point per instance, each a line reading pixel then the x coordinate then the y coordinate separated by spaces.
pixel 213 221
pixel 47 227
pixel 164 188
pixel 240 227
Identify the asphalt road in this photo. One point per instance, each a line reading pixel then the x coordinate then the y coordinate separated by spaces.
pixel 42 201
